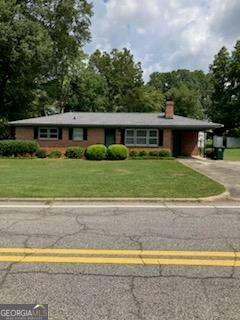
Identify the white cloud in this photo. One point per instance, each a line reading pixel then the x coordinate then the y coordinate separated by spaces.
pixel 166 34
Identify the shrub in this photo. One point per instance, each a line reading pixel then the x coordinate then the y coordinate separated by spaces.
pixel 153 153
pixel 74 152
pixel 9 148
pixel 209 143
pixel 142 153
pixel 41 154
pixel 117 152
pixel 55 154
pixel 133 153
pixel 96 152
pixel 164 153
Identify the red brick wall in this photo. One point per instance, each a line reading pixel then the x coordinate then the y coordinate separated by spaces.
pixel 189 143
pixel 24 133
pixel 97 135
pixel 94 135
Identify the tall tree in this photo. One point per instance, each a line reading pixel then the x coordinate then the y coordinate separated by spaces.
pixel 121 73
pixel 234 89
pixel 191 89
pixel 38 38
pixel 219 72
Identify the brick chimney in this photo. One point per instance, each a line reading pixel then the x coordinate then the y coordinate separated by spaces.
pixel 169 110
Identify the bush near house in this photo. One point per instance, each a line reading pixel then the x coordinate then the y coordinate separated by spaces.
pixel 74 152
pixel 164 152
pixel 148 153
pixel 41 154
pixel 117 152
pixel 55 154
pixel 14 148
pixel 96 152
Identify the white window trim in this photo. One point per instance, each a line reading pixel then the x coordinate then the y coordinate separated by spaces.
pixel 77 139
pixel 135 144
pixel 48 138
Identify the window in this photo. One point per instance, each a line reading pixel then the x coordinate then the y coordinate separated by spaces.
pixel 48 133
pixel 153 137
pixel 78 134
pixel 141 137
pixel 129 137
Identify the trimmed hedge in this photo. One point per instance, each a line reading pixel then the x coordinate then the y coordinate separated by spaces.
pixel 148 153
pixel 55 154
pixel 96 152
pixel 74 152
pixel 41 153
pixel 164 153
pixel 14 148
pixel 117 152
pixel 153 153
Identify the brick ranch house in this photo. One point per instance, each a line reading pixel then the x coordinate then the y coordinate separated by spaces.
pixel 179 134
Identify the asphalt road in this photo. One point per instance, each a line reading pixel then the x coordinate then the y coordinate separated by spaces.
pixel 122 291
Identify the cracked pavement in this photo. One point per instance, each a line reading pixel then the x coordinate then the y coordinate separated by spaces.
pixel 90 291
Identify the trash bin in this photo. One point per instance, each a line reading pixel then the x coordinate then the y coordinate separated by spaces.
pixel 218 153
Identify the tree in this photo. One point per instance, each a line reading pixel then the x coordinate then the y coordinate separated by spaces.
pixel 234 77
pixel 195 87
pixel 121 73
pixel 38 38
pixel 219 72
pixel 89 92
pixel 187 102
pixel 144 99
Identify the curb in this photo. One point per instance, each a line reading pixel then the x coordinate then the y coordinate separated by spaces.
pixel 224 195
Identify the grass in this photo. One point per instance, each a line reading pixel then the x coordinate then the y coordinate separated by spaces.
pixel 79 178
pixel 232 154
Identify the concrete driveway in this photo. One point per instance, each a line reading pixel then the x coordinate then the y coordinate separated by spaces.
pixel 226 172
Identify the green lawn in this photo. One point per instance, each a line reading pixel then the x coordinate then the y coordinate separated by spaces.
pixel 81 178
pixel 232 154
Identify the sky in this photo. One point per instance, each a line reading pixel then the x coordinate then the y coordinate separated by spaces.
pixel 166 34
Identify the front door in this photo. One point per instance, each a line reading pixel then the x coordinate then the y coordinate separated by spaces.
pixel 177 143
pixel 110 135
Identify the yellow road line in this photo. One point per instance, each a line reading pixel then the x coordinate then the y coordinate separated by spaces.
pixel 120 252
pixel 119 261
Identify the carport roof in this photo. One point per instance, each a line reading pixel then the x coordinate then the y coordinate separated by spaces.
pixel 114 119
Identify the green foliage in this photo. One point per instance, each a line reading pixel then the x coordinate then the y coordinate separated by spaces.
pixel 225 73
pixel 153 153
pixel 41 153
pixel 190 90
pixel 55 154
pixel 96 152
pixel 4 133
pixel 89 91
pixel 164 152
pixel 117 152
pixel 233 133
pixel 142 153
pixel 9 148
pixel 147 153
pixel 37 41
pixel 209 143
pixel 74 152
pixel 121 73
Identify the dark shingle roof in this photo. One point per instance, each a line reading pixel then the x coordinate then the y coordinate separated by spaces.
pixel 113 119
